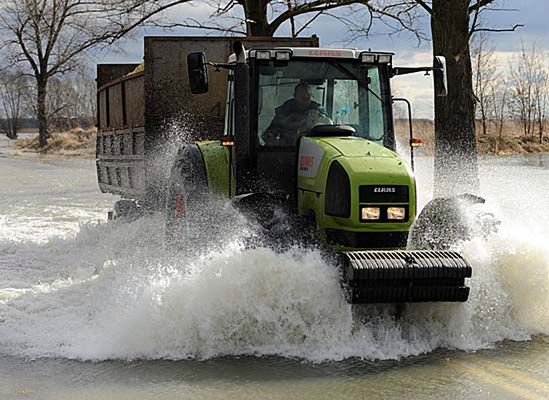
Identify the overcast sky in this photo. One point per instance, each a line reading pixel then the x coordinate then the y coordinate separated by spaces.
pixel 534 14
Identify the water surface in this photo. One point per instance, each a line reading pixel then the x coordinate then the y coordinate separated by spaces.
pixel 97 310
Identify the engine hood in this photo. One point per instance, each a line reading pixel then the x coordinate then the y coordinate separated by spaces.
pixel 352 146
pixel 364 163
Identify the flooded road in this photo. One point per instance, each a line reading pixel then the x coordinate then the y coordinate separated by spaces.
pixel 96 310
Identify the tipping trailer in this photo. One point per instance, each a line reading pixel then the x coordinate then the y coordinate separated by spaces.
pixel 336 172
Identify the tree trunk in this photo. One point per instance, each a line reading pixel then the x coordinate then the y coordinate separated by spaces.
pixel 42 86
pixel 13 128
pixel 484 118
pixel 456 163
pixel 257 23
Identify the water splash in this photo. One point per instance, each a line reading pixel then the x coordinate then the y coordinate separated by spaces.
pixel 113 291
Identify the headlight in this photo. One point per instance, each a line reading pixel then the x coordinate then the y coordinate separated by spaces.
pixel 396 213
pixel 370 213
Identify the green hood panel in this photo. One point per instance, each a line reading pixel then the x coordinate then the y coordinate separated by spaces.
pixel 366 163
pixel 358 147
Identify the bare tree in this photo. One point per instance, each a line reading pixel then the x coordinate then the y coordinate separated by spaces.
pixel 12 88
pixel 485 69
pixel 267 17
pixel 71 102
pixel 529 85
pixel 499 99
pixel 541 96
pixel 50 36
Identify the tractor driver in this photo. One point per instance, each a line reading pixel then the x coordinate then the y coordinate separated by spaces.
pixel 293 117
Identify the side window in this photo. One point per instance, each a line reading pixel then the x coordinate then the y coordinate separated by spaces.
pixel 346 103
pixel 377 126
pixel 274 91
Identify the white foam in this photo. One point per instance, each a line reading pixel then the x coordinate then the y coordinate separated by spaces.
pixel 114 292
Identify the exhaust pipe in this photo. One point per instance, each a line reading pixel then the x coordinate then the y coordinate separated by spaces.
pixel 240 52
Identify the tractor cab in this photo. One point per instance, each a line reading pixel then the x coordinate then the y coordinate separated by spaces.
pixel 297 92
pixel 277 96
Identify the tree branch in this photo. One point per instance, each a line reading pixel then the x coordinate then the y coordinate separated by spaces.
pixel 513 29
pixel 425 6
pixel 479 4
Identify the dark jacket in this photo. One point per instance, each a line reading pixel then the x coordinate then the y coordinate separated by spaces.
pixel 288 119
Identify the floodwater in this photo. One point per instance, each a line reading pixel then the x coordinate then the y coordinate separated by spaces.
pixel 97 310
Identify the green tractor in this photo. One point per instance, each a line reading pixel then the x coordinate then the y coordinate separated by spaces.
pixel 310 131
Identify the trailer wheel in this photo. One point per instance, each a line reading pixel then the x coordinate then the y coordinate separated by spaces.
pixel 186 198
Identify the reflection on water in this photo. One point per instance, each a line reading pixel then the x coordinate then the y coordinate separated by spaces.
pixel 510 371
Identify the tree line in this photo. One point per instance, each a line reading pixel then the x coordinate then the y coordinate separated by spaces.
pixel 514 90
pixel 49 39
pixel 70 102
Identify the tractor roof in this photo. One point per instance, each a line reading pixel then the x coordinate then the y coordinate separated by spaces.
pixel 318 52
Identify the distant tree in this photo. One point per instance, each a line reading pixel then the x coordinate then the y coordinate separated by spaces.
pixel 50 36
pixel 541 96
pixel 12 89
pixel 529 82
pixel 485 71
pixel 71 102
pixel 499 93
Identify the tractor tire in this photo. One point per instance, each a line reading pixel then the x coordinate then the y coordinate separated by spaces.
pixel 126 210
pixel 442 223
pixel 186 199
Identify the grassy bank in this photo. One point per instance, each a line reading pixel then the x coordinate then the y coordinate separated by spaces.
pixel 81 143
pixel 76 142
pixel 509 143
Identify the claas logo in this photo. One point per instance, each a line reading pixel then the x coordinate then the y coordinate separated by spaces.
pixel 306 162
pixel 325 53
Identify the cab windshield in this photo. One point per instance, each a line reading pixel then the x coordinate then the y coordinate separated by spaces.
pixel 295 97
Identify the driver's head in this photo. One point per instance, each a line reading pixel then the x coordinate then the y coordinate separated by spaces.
pixel 302 95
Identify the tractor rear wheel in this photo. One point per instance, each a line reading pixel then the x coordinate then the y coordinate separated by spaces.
pixel 186 197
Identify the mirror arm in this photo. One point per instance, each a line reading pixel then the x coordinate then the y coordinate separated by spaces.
pixel 412 70
pixel 219 66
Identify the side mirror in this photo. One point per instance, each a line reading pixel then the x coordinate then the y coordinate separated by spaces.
pixel 440 77
pixel 198 72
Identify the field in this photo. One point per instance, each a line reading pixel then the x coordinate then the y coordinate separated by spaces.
pixel 512 141
pixel 81 142
pixel 76 142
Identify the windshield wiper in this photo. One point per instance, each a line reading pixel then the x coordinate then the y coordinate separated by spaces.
pixel 361 83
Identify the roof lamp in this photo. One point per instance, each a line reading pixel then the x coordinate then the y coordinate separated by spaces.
pixel 282 56
pixel 368 58
pixel 263 55
pixel 384 58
